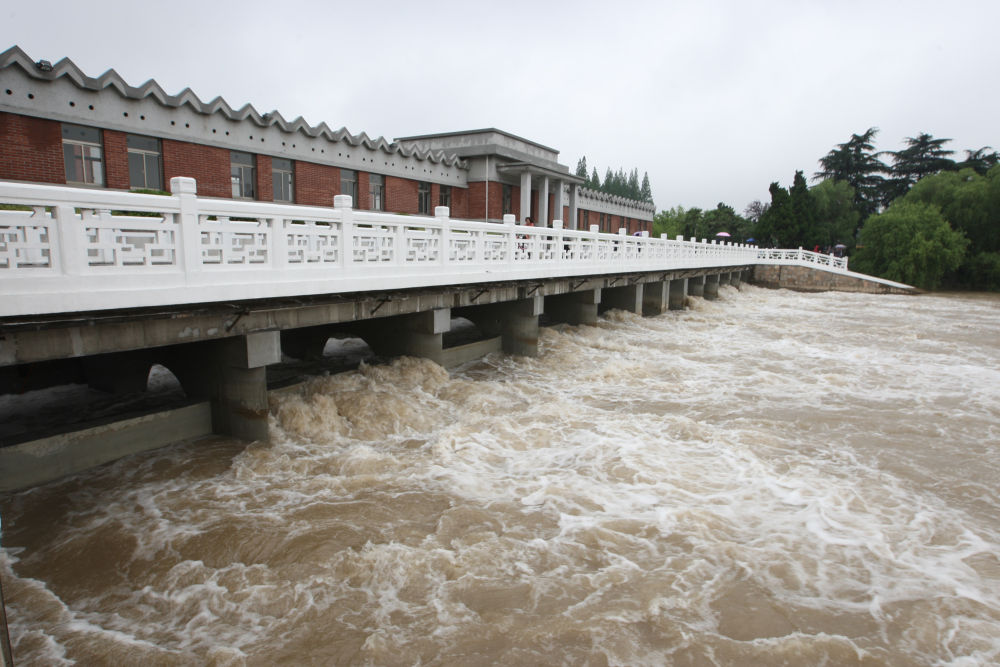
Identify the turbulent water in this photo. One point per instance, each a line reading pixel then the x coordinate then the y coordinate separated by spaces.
pixel 770 478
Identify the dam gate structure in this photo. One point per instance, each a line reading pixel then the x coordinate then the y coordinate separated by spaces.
pixel 99 285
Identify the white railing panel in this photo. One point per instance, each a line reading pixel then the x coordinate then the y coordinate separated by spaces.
pixel 81 249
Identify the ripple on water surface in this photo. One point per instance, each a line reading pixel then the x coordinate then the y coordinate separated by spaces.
pixel 769 478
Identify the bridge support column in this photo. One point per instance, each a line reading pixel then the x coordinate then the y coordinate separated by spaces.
pixel 519 325
pixel 655 297
pixel 626 297
pixel 423 334
pixel 575 307
pixel 678 292
pixel 735 278
pixel 696 286
pixel 232 374
pixel 712 287
pixel 416 335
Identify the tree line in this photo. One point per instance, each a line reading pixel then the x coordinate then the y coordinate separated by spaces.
pixel 617 182
pixel 922 217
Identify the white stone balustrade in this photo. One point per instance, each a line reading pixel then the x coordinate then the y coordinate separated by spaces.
pixel 77 249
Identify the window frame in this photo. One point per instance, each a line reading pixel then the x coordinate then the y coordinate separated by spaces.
pixel 353 180
pixel 145 155
pixel 444 196
pixel 243 175
pixel 282 179
pixel 376 192
pixel 424 198
pixel 507 199
pixel 88 163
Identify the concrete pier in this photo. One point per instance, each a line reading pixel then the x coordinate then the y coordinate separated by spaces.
pixel 625 297
pixel 678 292
pixel 696 286
pixel 574 307
pixel 711 289
pixel 656 298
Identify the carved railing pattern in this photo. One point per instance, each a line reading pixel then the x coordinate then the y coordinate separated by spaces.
pixel 68 249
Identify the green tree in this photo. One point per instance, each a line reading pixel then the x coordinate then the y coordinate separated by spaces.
pixel 924 155
pixel 670 223
pixel 581 167
pixel 723 218
pixel 755 210
pixel 646 192
pixel 911 243
pixel 856 162
pixel 836 217
pixel 777 226
pixel 634 191
pixel 595 181
pixel 970 202
pixel 981 160
pixel 804 233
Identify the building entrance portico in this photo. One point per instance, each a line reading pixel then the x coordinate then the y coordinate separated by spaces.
pixel 501 159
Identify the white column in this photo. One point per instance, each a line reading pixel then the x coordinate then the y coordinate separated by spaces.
pixel 543 203
pixel 574 214
pixel 525 195
pixel 557 204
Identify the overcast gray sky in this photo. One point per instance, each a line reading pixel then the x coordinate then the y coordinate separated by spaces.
pixel 713 99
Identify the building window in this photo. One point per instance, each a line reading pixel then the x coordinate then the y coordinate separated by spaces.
pixel 444 199
pixel 349 185
pixel 508 199
pixel 376 192
pixel 601 227
pixel 424 198
pixel 145 161
pixel 281 178
pixel 242 174
pixel 82 155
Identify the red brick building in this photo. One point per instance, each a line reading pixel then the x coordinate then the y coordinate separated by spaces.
pixel 58 125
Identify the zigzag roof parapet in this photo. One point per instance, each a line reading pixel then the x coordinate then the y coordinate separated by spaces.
pixel 616 199
pixel 66 68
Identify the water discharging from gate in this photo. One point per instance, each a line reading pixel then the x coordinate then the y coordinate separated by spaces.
pixel 771 478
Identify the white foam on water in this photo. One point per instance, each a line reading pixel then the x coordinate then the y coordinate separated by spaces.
pixel 771 477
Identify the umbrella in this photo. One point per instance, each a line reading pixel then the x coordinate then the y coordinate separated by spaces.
pixel 840 245
pixel 723 234
pixel 751 240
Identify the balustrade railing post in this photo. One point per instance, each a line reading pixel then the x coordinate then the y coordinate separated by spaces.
pixel 185 190
pixel 343 204
pixel 508 222
pixel 441 214
pixel 279 242
pixel 72 241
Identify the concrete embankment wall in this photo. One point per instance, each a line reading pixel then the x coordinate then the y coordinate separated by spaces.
pixel 808 279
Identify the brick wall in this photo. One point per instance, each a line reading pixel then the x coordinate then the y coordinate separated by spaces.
pixel 316 184
pixel 265 182
pixel 31 149
pixel 476 200
pixel 206 164
pixel 401 195
pixel 459 202
pixel 116 160
pixel 364 200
